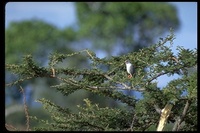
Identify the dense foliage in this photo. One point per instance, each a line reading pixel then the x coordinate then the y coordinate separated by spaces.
pixel 137 114
pixel 128 26
pixel 106 28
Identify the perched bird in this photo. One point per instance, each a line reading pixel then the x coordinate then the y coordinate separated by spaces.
pixel 129 68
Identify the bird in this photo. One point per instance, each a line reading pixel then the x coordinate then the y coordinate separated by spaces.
pixel 129 68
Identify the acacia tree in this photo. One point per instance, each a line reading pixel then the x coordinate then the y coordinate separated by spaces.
pixel 118 27
pixel 137 114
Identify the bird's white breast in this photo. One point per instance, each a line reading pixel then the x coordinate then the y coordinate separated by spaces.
pixel 128 67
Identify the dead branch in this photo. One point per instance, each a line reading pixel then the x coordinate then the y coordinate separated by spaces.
pixel 164 115
pixel 177 125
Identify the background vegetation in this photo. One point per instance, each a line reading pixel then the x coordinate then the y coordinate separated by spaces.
pixel 34 49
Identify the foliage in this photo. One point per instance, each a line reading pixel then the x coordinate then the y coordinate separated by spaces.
pixel 138 114
pixel 35 37
pixel 118 27
pixel 128 25
pixel 38 39
pixel 17 118
pixel 90 118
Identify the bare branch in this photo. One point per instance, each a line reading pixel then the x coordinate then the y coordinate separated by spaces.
pixel 26 110
pixel 116 87
pixel 10 127
pixel 164 115
pixel 177 125
pixel 158 75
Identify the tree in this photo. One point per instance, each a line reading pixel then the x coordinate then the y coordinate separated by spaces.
pixel 128 26
pixel 114 25
pixel 123 21
pixel 137 114
pixel 38 38
pixel 35 37
pixel 117 28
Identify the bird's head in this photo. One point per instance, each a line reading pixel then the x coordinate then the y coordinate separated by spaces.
pixel 127 61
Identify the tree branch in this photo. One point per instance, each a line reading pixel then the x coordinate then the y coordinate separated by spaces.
pixel 20 80
pixel 116 87
pixel 123 87
pixel 164 115
pixel 158 75
pixel 25 110
pixel 134 117
pixel 123 84
pixel 158 110
pixel 90 125
pixel 177 125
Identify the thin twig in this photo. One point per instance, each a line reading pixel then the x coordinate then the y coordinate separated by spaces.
pixel 108 77
pixel 69 81
pixel 116 87
pixel 158 75
pixel 21 80
pixel 26 110
pixel 89 54
pixel 10 127
pixel 134 117
pixel 175 59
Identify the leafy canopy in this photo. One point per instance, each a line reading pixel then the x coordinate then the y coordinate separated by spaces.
pixel 127 25
pixel 138 114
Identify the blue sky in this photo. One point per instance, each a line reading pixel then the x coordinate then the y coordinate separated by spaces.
pixel 62 14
